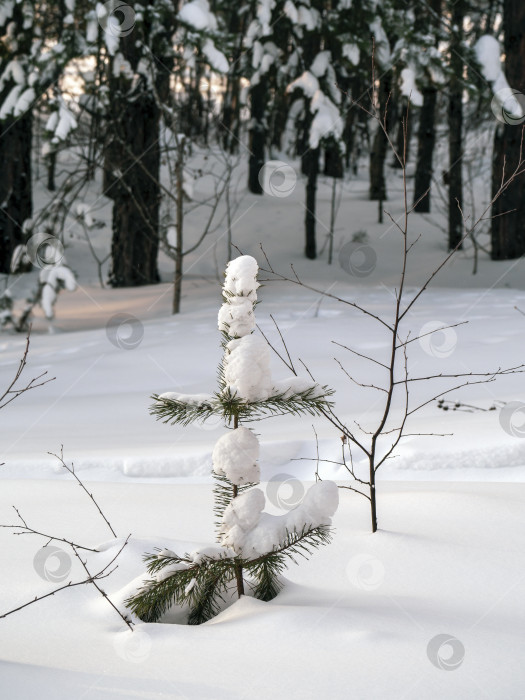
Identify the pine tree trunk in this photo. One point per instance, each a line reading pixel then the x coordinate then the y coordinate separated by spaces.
pixel 16 202
pixel 257 135
pixel 311 166
pixel 51 170
pixel 380 143
pixel 402 124
pixel 426 139
pixel 132 181
pixel 177 281
pixel 238 568
pixel 455 130
pixel 508 231
pixel 132 169
pixel 278 115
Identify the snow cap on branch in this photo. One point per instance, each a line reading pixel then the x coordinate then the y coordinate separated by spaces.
pixel 317 508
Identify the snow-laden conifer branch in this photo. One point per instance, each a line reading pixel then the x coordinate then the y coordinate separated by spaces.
pixel 201 581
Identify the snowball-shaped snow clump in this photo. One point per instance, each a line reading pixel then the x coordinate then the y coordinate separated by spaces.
pixel 247 368
pixel 240 517
pixel 236 317
pixel 235 456
pixel 241 277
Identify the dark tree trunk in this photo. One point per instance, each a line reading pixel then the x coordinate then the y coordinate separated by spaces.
pixel 333 161
pixel 311 168
pixel 426 140
pixel 508 231
pixel 231 110
pixel 403 124
pixel 427 17
pixel 16 203
pixel 134 154
pixel 258 95
pixel 131 171
pixel 51 170
pixel 380 143
pixel 279 113
pixel 455 130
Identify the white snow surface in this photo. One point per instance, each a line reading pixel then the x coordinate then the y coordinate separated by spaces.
pixel 235 456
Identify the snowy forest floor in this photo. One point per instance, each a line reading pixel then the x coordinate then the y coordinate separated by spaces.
pixel 355 620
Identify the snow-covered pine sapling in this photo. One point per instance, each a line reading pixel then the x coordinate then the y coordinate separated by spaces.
pixel 253 546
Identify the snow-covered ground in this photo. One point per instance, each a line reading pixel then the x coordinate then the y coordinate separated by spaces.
pixel 358 618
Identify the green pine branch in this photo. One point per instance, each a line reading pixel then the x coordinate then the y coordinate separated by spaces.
pixel 177 412
pixel 228 405
pixel 202 586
